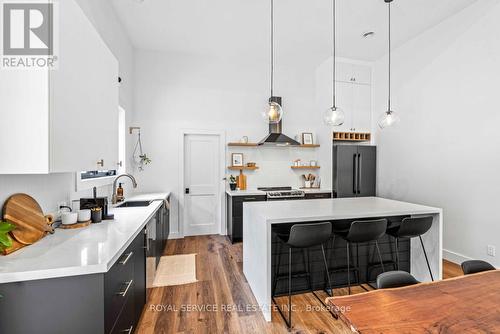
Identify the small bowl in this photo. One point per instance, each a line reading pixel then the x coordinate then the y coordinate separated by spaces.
pixel 251 164
pixel 84 215
pixel 69 218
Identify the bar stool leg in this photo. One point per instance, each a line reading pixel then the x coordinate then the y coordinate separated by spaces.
pixel 277 270
pixel 380 256
pixel 327 273
pixel 348 269
pixel 426 259
pixel 289 323
pixel 397 253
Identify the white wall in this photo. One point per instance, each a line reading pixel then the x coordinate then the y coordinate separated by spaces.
pixel 184 91
pixel 51 189
pixel 445 151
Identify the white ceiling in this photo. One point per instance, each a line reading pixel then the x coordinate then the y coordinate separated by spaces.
pixel 240 28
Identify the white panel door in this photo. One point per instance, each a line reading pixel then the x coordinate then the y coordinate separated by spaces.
pixel 202 182
pixel 344 98
pixel 362 113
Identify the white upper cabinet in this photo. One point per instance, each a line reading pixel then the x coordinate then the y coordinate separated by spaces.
pixel 66 119
pixel 353 94
pixel 360 74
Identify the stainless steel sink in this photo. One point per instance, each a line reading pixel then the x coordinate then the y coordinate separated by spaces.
pixel 134 204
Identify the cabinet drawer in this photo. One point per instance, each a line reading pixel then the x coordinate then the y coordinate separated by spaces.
pixel 318 196
pixel 238 203
pixel 125 324
pixel 118 287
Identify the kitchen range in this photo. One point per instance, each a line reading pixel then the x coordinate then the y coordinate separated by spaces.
pixel 235 200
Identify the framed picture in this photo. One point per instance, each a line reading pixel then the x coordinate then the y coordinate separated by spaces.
pixel 237 159
pixel 307 138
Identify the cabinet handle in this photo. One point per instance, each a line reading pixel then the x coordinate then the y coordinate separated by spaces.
pixel 119 164
pixel 124 262
pixel 100 163
pixel 124 293
pixel 250 198
pixel 128 331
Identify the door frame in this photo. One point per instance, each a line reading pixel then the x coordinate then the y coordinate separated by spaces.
pixel 222 171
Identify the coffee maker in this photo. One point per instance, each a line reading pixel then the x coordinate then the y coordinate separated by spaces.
pixel 96 202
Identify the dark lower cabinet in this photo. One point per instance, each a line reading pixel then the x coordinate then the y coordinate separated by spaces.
pixel 318 195
pixel 162 230
pixel 98 303
pixel 235 214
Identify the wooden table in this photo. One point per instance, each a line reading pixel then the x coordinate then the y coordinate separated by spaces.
pixel 466 304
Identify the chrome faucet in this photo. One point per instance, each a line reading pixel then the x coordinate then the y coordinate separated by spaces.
pixel 114 198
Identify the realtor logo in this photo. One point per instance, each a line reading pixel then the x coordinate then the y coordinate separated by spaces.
pixel 28 28
pixel 28 34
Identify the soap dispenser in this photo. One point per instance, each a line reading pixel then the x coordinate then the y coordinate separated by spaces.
pixel 119 193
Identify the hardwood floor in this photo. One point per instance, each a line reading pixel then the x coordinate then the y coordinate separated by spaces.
pixel 222 302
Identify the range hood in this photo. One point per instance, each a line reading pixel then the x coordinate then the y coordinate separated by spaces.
pixel 276 136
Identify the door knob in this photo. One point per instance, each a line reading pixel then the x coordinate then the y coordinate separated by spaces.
pixel 187 190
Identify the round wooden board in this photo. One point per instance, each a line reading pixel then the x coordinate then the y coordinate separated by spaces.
pixel 26 214
pixel 77 225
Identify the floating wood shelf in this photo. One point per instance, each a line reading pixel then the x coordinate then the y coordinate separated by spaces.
pixel 352 136
pixel 305 167
pixel 257 145
pixel 242 168
pixel 243 144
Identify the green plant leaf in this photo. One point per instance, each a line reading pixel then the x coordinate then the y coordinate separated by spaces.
pixel 5 240
pixel 6 227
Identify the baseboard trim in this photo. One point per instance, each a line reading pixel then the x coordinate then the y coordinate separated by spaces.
pixel 174 235
pixel 455 257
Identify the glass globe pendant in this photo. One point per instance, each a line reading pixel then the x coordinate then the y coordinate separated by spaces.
pixel 273 113
pixel 334 116
pixel 388 119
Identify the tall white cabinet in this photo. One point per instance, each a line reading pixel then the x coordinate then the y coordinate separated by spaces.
pixel 63 120
pixel 353 94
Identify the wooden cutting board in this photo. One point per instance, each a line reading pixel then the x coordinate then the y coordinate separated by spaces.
pixel 26 214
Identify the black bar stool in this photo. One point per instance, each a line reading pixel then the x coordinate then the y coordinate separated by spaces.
pixel 411 228
pixel 362 231
pixel 301 236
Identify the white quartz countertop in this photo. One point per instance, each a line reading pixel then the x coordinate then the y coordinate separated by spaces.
pixel 88 250
pixel 255 192
pixel 248 192
pixel 332 209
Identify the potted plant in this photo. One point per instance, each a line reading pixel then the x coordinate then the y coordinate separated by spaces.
pixel 144 160
pixel 232 183
pixel 5 240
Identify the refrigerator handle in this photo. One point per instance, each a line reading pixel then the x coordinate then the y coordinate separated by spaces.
pixel 355 174
pixel 360 163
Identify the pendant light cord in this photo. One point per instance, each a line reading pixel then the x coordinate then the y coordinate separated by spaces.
pixel 334 53
pixel 272 48
pixel 390 61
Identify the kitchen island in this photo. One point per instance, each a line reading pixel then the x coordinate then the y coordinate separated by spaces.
pixel 260 218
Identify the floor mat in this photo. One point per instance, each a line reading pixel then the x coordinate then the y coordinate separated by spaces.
pixel 176 270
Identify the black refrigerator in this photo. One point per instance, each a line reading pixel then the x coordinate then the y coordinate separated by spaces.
pixel 354 170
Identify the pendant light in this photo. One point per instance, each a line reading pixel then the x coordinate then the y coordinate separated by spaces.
pixel 334 116
pixel 390 117
pixel 273 112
